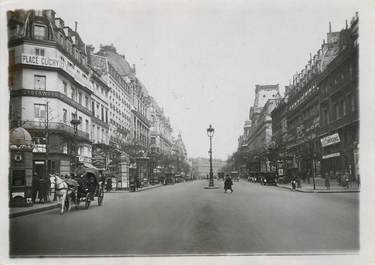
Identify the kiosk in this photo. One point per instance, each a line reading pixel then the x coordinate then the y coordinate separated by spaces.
pixel 21 168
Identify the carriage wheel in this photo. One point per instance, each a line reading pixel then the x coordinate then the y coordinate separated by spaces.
pixel 100 196
pixel 88 200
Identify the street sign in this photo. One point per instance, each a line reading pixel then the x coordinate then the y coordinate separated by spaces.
pixel 330 140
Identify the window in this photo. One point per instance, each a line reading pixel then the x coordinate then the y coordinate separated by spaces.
pixel 65 85
pixel 80 98
pixel 86 102
pixel 337 111
pixel 65 115
pixel 326 116
pixel 93 107
pixel 87 126
pixel 80 123
pixel 39 51
pixel 40 82
pixel 40 111
pixel 39 32
pixel 73 93
pixel 102 114
pixel 343 104
pixel 352 102
pixel 106 116
pixel 74 116
pixel 38 13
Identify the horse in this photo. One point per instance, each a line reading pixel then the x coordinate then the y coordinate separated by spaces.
pixel 63 192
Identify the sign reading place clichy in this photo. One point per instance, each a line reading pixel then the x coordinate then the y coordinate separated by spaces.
pixel 69 68
pixel 330 140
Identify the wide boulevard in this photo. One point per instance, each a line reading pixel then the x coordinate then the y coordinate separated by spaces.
pixel 185 218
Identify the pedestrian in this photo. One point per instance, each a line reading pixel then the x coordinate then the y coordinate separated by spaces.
pixel 294 183
pixel 35 186
pixel 42 190
pixel 47 190
pixel 228 184
pixel 327 181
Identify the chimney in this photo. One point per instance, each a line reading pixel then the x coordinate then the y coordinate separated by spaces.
pixel 346 24
pixel 330 27
pixel 75 26
pixel 134 70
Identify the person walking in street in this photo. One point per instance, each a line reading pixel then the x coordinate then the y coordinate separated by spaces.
pixel 228 184
pixel 294 184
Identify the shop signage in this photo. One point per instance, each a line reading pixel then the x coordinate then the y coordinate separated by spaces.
pixel 69 68
pixel 39 60
pixel 330 140
pixel 331 155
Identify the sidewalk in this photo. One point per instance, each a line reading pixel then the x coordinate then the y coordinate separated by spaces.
pixel 40 207
pixel 319 188
pixel 36 208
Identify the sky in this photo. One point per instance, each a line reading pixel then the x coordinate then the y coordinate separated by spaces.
pixel 201 60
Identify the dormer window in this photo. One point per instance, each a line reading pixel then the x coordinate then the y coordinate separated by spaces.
pixel 38 13
pixel 40 32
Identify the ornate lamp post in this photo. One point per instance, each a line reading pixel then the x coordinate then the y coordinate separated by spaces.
pixel 210 133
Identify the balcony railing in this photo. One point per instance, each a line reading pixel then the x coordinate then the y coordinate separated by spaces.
pixel 55 126
pixel 50 94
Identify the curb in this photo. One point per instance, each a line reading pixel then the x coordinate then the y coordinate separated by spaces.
pixel 320 191
pixel 149 188
pixel 32 211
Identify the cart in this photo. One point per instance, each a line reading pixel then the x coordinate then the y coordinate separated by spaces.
pixel 90 186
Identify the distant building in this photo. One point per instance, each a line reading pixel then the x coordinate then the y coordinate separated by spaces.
pixel 201 167
pixel 257 134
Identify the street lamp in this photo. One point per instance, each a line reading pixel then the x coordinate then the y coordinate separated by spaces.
pixel 210 133
pixel 75 122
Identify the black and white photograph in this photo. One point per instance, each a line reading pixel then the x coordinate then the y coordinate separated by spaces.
pixel 187 132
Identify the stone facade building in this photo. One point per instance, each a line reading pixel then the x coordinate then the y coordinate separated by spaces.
pixel 79 106
pixel 50 89
pixel 319 111
pixel 258 129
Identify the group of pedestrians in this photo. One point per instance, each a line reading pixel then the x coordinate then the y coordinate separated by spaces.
pixel 40 188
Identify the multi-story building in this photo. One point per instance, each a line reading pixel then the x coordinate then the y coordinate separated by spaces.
pixel 258 129
pixel 100 120
pixel 118 115
pixel 160 131
pixel 50 89
pixel 310 120
pixel 339 109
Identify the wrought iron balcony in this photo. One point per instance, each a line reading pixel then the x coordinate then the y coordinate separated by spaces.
pixel 55 126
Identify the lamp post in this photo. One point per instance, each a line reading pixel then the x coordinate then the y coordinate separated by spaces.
pixel 210 133
pixel 75 122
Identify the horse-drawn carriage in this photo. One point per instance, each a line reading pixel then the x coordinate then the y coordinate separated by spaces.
pixel 83 188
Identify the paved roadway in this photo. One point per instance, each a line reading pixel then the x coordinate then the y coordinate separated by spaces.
pixel 187 219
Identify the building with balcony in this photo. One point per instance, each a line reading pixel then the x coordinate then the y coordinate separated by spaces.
pixel 320 107
pixel 101 149
pixel 339 109
pixel 161 139
pixel 50 89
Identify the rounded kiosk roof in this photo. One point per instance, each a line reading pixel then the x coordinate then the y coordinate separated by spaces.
pixel 19 136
